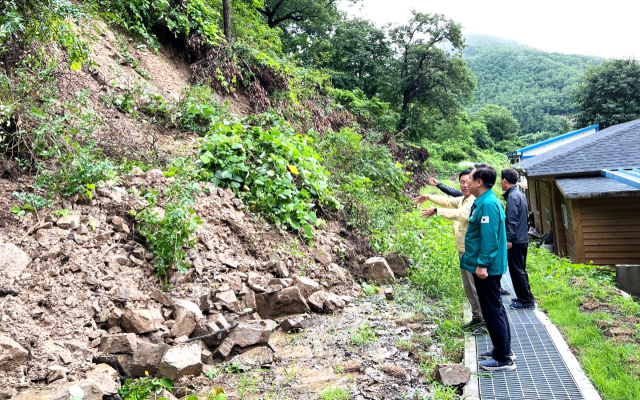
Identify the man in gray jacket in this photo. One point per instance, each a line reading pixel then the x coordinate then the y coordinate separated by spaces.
pixel 517 239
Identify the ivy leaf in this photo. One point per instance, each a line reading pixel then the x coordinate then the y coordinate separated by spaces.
pixel 226 175
pixel 167 383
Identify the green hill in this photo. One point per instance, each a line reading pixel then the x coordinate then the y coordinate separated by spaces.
pixel 534 85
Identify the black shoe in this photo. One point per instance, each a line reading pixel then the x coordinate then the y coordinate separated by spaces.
pixel 523 306
pixel 471 324
pixel 504 292
pixel 494 365
pixel 489 354
pixel 515 300
pixel 479 330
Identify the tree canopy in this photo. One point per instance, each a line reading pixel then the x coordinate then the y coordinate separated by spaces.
pixel 609 95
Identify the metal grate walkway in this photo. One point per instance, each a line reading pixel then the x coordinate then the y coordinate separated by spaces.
pixel 541 373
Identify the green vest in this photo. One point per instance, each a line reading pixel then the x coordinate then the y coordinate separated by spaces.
pixel 486 240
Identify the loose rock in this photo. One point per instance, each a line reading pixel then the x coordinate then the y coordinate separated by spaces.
pixel 451 374
pixel 12 354
pixel 285 302
pixel 252 332
pixel 142 321
pixel 377 270
pixel 181 360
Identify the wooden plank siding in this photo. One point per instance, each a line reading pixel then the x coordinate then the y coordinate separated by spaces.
pixel 559 236
pixel 609 229
pixel 570 231
pixel 534 207
pixel 545 204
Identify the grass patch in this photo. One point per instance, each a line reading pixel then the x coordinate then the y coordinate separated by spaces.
pixel 334 393
pixel 561 289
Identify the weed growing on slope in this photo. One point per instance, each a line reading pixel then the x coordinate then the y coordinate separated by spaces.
pixel 364 335
pixel 141 388
pixel 168 235
pixel 274 171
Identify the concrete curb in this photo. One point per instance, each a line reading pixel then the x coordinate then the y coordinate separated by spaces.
pixel 471 390
pixel 582 381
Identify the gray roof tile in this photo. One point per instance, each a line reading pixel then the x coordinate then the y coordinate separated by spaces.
pixel 617 146
pixel 597 186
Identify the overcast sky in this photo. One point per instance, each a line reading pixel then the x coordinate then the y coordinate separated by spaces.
pixel 600 28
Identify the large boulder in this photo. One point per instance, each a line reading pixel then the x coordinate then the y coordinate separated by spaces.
pixel 121 343
pixel 451 374
pixel 250 333
pixel 142 321
pixel 186 314
pixel 145 358
pixel 284 302
pixel 399 264
pixel 12 354
pixel 376 270
pixel 306 285
pixel 181 360
pixel 13 261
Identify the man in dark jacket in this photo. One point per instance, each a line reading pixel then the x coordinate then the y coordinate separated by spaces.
pixel 517 239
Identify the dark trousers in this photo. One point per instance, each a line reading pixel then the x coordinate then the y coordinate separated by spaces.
pixel 517 259
pixel 495 316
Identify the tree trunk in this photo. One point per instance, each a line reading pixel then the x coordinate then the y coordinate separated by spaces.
pixel 226 17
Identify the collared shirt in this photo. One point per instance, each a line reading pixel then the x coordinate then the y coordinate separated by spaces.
pixel 486 239
pixel 455 209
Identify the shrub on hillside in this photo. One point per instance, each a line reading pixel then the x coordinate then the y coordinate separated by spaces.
pixel 274 170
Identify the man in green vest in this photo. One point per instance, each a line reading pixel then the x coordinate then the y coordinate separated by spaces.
pixel 486 258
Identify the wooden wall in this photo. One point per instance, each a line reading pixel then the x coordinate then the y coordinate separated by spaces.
pixel 570 232
pixel 607 230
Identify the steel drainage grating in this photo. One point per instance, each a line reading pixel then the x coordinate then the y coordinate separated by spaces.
pixel 541 373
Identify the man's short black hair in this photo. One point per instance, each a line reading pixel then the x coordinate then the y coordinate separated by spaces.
pixel 510 174
pixel 465 172
pixel 487 173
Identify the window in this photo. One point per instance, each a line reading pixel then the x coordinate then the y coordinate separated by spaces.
pixel 548 216
pixel 565 221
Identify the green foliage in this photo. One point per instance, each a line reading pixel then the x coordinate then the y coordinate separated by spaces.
pixel 334 393
pixel 609 95
pixel 358 55
pixel 82 168
pixel 273 169
pixel 168 235
pixel 534 85
pixel 480 135
pixel 364 335
pixel 33 200
pixel 561 288
pixel 499 122
pixel 198 110
pixel 420 43
pixel 181 18
pixel 142 388
pixel 372 112
pixel 60 22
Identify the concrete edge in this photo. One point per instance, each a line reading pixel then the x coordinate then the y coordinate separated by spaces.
pixel 472 388
pixel 573 365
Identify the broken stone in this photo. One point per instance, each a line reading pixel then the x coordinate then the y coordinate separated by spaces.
pixel 317 299
pixel 114 318
pixel 224 349
pixel 322 257
pixel 388 293
pixel 399 264
pixel 119 343
pixel 146 358
pixel 336 274
pixel 306 285
pixel 90 390
pixel 12 354
pixel 57 373
pixel 377 270
pixel 257 281
pixel 249 300
pixel 206 357
pixel 273 288
pixel 13 261
pixel 250 333
pixel 198 294
pixel 227 298
pixel 142 321
pixel 285 302
pixel 161 297
pixel 186 315
pixel 451 374
pixel 69 221
pixel 106 378
pixel 219 320
pixel 234 281
pixel 282 270
pixel 120 224
pixel 258 357
pixel 333 303
pixel 292 324
pixel 181 360
pixel 229 262
pixel 205 327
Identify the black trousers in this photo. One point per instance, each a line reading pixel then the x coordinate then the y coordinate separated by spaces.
pixel 517 259
pixel 495 316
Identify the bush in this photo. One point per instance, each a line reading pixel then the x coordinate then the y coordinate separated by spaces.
pixel 453 155
pixel 274 171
